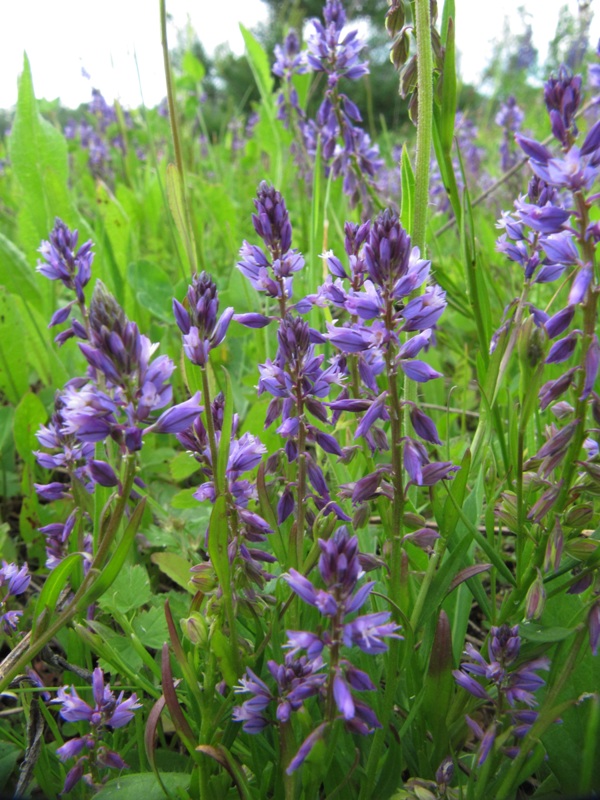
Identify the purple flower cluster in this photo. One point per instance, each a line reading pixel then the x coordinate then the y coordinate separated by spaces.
pixel 118 399
pixel 301 678
pixel 99 135
pixel 63 261
pixel 272 273
pixel 198 321
pixel 540 238
pixel 13 581
pixel 345 148
pixel 512 681
pixel 385 273
pixel 510 119
pixel 109 712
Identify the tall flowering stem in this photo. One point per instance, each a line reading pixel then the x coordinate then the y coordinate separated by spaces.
pixel 424 122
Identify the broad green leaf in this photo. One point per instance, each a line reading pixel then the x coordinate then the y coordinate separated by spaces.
pixel 174 566
pixel 259 63
pixel 143 785
pixel 221 647
pixel 182 466
pixel 193 66
pixel 152 288
pixel 38 153
pixel 16 273
pixel 184 499
pixel 151 628
pixel 130 589
pixel 14 365
pixel 29 415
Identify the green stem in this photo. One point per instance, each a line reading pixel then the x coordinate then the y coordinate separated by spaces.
pixel 424 123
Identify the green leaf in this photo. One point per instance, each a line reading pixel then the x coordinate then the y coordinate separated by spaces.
pixel 114 567
pixel 16 273
pixel 130 589
pixel 182 466
pixel 117 228
pixel 221 647
pixel 193 66
pixel 9 753
pixel 184 499
pixel 143 785
pixel 175 567
pixel 408 189
pixel 259 63
pixel 29 415
pixel 152 287
pixel 261 69
pixel 14 366
pixel 53 586
pixel 151 628
pixel 38 154
pixel 448 90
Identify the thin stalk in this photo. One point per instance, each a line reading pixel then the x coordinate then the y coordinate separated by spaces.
pixel 425 121
pixel 190 239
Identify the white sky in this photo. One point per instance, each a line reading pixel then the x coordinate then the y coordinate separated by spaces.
pixel 62 36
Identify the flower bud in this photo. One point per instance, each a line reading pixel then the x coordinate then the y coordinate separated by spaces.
pixel 194 627
pixel 536 598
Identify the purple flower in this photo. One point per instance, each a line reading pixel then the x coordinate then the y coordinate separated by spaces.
pixel 201 329
pixel 62 261
pixel 178 418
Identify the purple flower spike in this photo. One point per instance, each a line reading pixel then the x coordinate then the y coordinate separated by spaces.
pixel 63 262
pixel 198 322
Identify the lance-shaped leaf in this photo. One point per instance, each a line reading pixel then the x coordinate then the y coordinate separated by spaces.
pixel 168 686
